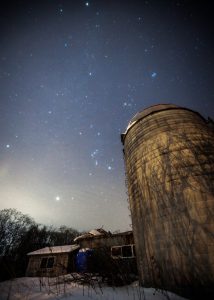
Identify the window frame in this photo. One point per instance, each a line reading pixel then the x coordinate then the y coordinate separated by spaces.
pixel 46 265
pixel 132 246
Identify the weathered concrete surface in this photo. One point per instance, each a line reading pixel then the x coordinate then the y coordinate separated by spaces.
pixel 169 158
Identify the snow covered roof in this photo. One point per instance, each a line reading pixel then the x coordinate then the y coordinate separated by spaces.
pixel 92 233
pixel 55 249
pixel 97 231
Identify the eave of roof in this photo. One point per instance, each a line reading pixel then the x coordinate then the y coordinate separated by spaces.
pixel 55 250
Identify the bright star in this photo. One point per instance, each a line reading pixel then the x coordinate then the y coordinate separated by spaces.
pixel 90 74
pixel 57 198
pixel 87 4
pixel 7 146
pixel 94 153
pixel 109 168
pixel 154 74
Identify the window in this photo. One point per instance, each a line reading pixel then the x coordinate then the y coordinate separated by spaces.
pixel 43 263
pixel 47 262
pixel 50 262
pixel 116 251
pixel 134 253
pixel 125 251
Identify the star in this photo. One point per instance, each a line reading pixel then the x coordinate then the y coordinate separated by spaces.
pixel 90 74
pixel 87 4
pixel 94 153
pixel 57 198
pixel 7 146
pixel 126 104
pixel 154 74
pixel 109 168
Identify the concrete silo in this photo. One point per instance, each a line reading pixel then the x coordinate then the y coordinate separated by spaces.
pixel 169 159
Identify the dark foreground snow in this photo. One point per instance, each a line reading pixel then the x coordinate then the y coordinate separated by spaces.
pixel 27 288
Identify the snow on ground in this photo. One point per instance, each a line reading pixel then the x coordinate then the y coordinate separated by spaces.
pixel 28 288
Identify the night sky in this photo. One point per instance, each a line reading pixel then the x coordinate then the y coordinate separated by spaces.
pixel 72 75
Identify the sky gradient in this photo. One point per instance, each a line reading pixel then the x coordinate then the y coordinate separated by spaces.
pixel 72 75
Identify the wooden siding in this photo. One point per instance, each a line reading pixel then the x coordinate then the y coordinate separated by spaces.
pixel 107 241
pixel 62 263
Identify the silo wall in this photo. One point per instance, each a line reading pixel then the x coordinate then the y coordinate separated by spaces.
pixel 169 159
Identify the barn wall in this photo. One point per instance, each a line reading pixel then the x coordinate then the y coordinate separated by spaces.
pixel 60 265
pixel 107 241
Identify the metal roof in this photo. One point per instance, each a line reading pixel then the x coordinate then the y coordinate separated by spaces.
pixel 55 250
pixel 154 108
pixel 151 110
pixel 92 233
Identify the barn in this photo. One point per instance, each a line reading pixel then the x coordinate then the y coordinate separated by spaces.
pixel 52 261
pixel 99 238
pixel 89 254
pixel 101 250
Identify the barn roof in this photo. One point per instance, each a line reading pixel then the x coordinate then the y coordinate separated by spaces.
pixel 55 250
pixel 91 234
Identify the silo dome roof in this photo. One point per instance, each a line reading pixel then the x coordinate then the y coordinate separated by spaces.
pixel 150 110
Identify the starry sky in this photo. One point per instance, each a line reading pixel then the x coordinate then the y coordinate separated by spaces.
pixel 72 75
